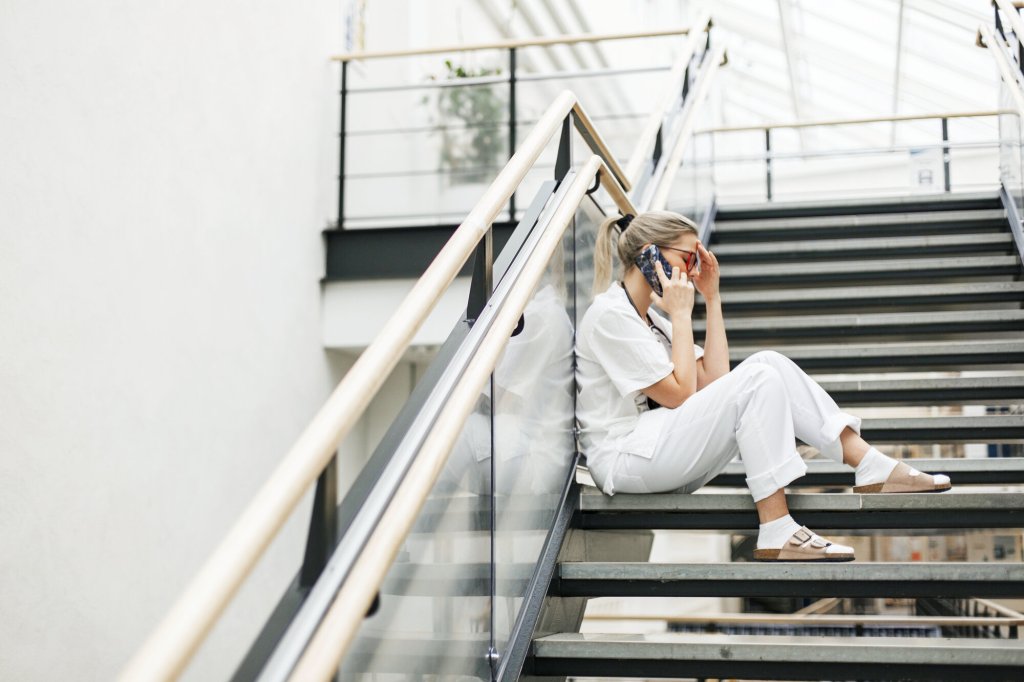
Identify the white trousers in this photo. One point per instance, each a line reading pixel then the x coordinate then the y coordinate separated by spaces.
pixel 755 411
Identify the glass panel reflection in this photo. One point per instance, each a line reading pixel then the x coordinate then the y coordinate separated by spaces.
pixel 533 434
pixel 434 615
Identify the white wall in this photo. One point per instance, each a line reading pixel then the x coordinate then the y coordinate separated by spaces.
pixel 166 171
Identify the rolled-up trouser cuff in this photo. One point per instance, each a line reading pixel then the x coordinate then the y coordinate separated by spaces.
pixel 830 445
pixel 763 485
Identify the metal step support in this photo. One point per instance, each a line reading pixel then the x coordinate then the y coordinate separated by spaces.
pixel 786 658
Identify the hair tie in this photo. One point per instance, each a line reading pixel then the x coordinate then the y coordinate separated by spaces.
pixel 624 222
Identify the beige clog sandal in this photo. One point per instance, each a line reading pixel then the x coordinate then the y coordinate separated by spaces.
pixel 805 545
pixel 905 479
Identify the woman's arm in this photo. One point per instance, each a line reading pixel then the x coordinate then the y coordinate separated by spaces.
pixel 677 301
pixel 715 362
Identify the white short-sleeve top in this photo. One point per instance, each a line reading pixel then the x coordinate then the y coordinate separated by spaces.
pixel 618 354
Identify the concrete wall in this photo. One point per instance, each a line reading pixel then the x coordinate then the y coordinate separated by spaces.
pixel 167 169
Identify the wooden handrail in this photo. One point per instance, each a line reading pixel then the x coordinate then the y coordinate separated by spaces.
pixel 819 606
pixel 338 628
pixel 597 144
pixel 169 648
pixel 646 140
pixel 172 644
pixel 998 608
pixel 851 121
pixel 675 155
pixel 1005 70
pixel 508 44
pixel 1012 16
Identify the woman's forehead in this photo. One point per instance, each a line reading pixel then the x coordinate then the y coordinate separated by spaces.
pixel 685 241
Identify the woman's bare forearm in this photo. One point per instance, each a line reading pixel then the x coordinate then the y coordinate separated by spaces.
pixel 716 346
pixel 683 356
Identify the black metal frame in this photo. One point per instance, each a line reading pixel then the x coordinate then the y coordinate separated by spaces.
pixel 723 668
pixel 811 588
pixel 347 251
pixel 1014 218
pixel 513 122
pixel 820 520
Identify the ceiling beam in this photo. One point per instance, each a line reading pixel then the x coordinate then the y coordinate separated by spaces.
pixel 788 39
pixel 836 60
pixel 738 23
pixel 896 75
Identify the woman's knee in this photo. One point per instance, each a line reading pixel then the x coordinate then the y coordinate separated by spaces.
pixel 770 357
pixel 759 372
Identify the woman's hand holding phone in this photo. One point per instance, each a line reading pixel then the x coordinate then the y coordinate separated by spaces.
pixel 676 293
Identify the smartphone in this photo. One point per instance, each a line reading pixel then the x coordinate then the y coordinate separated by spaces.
pixel 646 260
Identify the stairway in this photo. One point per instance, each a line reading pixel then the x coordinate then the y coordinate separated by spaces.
pixel 896 291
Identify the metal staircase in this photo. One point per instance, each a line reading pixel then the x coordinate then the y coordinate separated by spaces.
pixel 877 288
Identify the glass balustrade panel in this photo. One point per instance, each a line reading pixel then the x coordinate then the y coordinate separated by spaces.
pixel 434 611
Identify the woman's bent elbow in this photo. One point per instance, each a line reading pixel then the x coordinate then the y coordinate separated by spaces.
pixel 677 401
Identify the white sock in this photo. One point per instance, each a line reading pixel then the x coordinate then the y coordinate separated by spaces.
pixel 874 468
pixel 774 534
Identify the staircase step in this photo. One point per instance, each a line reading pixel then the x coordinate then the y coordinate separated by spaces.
pixel 990 470
pixel 702 656
pixel 960 201
pixel 789 579
pixel 996 243
pixel 961 355
pixel 840 327
pixel 943 391
pixel 885 225
pixel 981 429
pixel 869 272
pixel 790 301
pixel 735 511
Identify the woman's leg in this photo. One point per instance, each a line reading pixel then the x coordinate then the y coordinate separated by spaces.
pixel 818 421
pixel 744 413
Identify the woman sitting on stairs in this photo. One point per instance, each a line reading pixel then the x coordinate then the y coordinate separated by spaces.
pixel 658 413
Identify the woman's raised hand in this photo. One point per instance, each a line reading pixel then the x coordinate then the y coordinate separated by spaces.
pixel 676 292
pixel 706 280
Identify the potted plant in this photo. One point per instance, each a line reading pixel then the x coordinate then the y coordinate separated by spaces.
pixel 474 126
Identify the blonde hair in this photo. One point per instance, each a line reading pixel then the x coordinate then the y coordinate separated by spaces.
pixel 653 227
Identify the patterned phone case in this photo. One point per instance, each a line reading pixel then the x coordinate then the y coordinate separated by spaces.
pixel 646 260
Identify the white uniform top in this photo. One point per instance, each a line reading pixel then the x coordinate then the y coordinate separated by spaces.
pixel 618 354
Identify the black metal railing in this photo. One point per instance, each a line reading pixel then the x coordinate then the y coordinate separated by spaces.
pixel 506 84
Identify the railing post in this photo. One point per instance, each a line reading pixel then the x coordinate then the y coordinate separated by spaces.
pixel 945 152
pixel 482 284
pixel 563 161
pixel 768 161
pixel 512 125
pixel 341 155
pixel 1020 44
pixel 323 525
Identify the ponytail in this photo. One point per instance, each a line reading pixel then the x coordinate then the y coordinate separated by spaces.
pixel 604 253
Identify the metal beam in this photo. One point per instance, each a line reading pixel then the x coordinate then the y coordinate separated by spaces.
pixel 785 24
pixel 896 76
